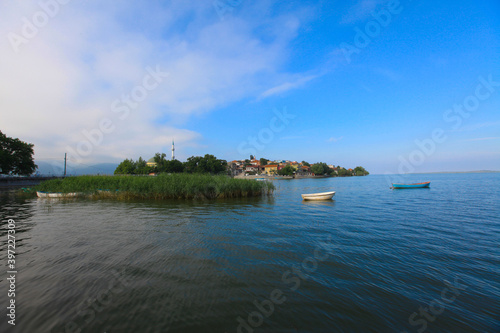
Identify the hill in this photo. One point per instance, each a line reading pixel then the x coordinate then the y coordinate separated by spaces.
pixel 57 168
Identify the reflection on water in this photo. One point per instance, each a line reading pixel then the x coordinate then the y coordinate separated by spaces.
pixel 212 266
pixel 320 203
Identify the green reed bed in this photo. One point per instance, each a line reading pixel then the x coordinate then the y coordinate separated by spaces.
pixel 164 186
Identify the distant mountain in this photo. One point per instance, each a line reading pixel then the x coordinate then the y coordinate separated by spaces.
pixel 101 169
pixel 56 168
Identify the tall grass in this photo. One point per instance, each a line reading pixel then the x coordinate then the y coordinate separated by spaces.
pixel 163 186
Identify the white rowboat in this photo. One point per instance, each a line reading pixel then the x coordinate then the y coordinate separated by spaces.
pixel 56 195
pixel 318 196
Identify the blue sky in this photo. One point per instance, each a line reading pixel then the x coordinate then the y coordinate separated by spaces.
pixel 225 72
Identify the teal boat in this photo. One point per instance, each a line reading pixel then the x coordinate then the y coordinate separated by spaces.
pixel 416 185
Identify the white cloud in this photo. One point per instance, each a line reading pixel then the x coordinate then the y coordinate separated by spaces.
pixel 333 139
pixel 284 87
pixel 64 80
pixel 475 127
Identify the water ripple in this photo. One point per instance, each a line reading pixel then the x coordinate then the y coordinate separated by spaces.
pixel 207 265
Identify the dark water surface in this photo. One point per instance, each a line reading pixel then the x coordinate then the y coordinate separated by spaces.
pixel 372 260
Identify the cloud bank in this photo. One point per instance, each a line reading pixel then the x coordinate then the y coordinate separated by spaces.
pixel 68 68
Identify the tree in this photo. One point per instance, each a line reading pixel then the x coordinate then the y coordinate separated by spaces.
pixel 207 164
pixel 161 162
pixel 263 161
pixel 343 172
pixel 191 165
pixel 127 167
pixel 286 171
pixel 175 166
pixel 332 172
pixel 141 167
pixel 210 164
pixel 306 164
pixel 360 171
pixel 16 156
pixel 252 157
pixel 320 168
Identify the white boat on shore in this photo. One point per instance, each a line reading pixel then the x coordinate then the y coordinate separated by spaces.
pixel 56 195
pixel 318 196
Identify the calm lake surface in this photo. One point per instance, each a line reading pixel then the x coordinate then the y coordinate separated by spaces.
pixel 372 260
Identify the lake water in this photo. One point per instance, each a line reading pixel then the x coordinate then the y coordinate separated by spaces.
pixel 372 260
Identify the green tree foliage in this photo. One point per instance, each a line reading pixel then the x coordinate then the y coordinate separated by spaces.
pixel 127 167
pixel 252 157
pixel 169 166
pixel 207 164
pixel 286 171
pixel 16 156
pixel 162 164
pixel 360 171
pixel 141 167
pixel 191 165
pixel 263 161
pixel 306 164
pixel 319 168
pixel 174 166
pixel 194 164
pixel 131 167
pixel 343 172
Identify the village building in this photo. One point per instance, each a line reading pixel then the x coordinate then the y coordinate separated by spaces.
pixel 294 165
pixel 151 162
pixel 303 170
pixel 272 169
pixel 252 168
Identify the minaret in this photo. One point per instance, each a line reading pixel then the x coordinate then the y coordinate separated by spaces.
pixel 173 149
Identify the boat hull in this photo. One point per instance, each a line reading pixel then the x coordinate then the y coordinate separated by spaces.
pixel 318 196
pixel 56 195
pixel 416 185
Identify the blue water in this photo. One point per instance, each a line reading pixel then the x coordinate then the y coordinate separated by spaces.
pixel 372 260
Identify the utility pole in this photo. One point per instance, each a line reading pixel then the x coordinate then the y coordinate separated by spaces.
pixel 64 164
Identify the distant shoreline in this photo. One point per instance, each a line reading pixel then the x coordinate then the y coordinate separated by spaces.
pixel 270 177
pixel 440 172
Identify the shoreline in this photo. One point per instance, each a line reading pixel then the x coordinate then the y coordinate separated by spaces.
pixel 277 177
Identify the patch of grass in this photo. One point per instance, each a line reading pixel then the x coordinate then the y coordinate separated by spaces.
pixel 163 186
